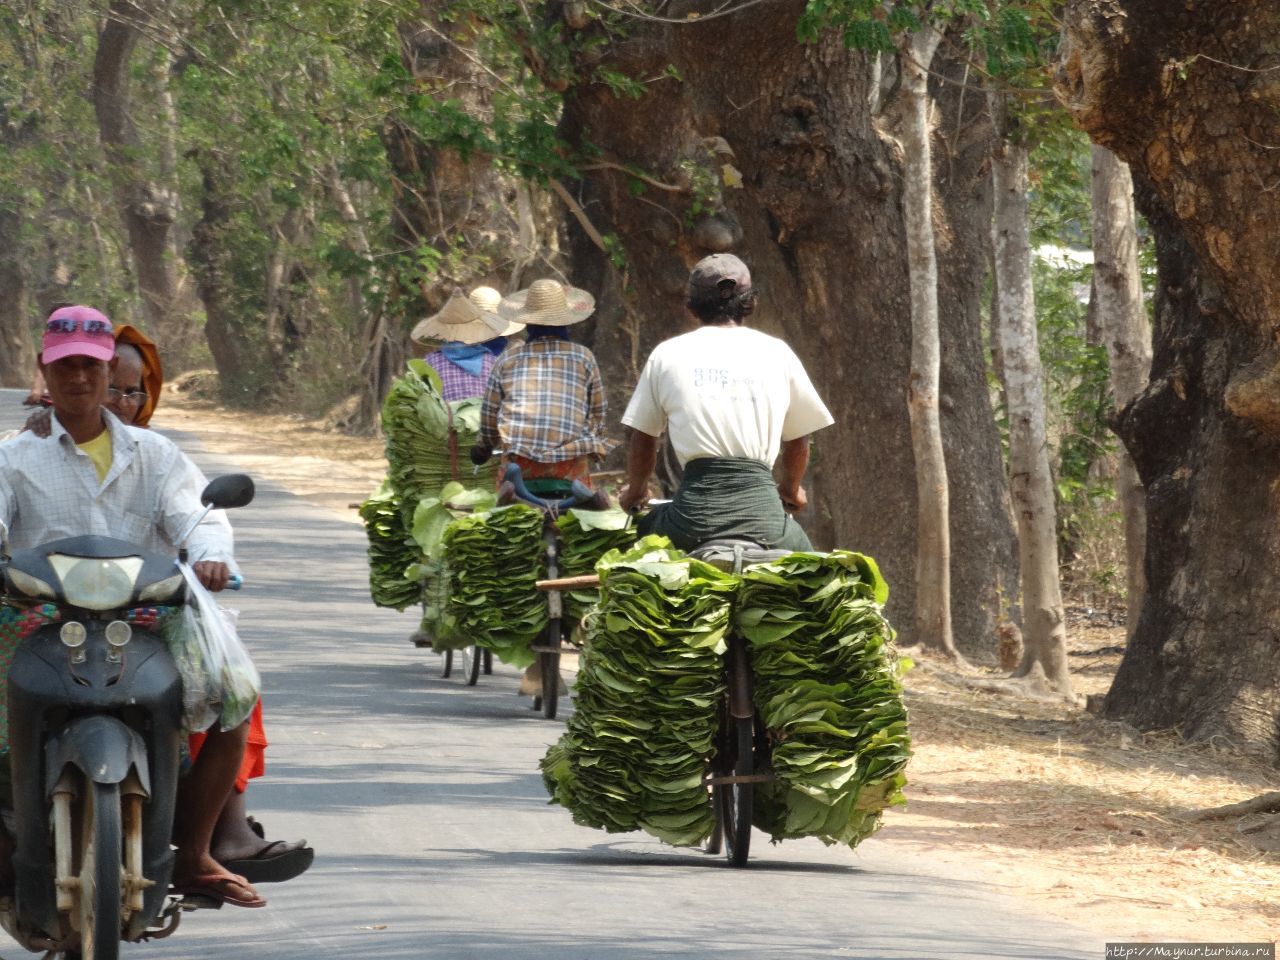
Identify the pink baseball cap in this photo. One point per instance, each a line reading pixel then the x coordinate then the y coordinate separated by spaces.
pixel 77 332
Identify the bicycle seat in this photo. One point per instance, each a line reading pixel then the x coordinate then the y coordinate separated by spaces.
pixel 732 554
pixel 549 493
pixel 549 488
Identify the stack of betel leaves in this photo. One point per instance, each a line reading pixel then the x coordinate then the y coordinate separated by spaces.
pixel 427 441
pixel 421 454
pixel 634 751
pixel 430 518
pixel 494 559
pixel 391 550
pixel 585 537
pixel 828 688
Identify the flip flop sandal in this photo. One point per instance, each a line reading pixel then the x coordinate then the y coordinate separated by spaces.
pixel 275 863
pixel 219 887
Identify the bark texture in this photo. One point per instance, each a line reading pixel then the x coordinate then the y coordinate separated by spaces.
pixel 444 202
pixel 17 338
pixel 1189 96
pixel 933 495
pixel 148 207
pixel 228 328
pixel 1121 318
pixel 818 217
pixel 1044 631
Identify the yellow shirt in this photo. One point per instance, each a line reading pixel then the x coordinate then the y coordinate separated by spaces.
pixel 99 451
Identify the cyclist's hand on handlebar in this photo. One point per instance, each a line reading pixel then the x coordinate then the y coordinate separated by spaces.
pixel 633 499
pixel 480 454
pixel 214 575
pixel 794 500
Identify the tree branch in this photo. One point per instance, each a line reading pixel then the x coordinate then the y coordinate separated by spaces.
pixel 607 165
pixel 579 214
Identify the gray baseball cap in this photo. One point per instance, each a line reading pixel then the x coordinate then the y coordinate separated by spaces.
pixel 710 273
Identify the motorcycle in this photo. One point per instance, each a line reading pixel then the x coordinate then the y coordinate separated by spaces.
pixel 95 730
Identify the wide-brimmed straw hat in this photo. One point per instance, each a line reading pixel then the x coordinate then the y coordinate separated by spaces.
pixel 472 319
pixel 549 303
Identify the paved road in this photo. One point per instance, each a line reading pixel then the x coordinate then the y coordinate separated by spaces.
pixel 433 833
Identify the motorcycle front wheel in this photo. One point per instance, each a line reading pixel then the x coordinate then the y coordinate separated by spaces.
pixel 99 897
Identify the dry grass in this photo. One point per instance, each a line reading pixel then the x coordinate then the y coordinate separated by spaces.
pixel 1083 816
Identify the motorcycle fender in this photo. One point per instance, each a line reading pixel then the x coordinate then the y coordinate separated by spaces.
pixel 103 748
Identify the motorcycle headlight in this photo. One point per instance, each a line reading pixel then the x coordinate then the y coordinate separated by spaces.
pixel 73 634
pixel 96 584
pixel 161 589
pixel 31 586
pixel 118 633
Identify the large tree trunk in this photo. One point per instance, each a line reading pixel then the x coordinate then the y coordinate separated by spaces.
pixel 230 338
pixel 1188 97
pixel 933 496
pixel 1044 630
pixel 1122 320
pixel 17 338
pixel 147 206
pixel 446 206
pixel 818 218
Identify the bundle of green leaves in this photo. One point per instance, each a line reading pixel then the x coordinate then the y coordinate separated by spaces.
pixel 828 687
pixel 430 518
pixel 391 550
pixel 421 455
pixel 494 559
pixel 585 537
pixel 635 748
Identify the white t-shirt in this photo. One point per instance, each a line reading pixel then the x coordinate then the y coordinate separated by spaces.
pixel 726 391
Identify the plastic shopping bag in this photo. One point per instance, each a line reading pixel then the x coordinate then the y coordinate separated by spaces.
pixel 219 679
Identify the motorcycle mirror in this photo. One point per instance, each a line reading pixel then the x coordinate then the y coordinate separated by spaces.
pixel 230 490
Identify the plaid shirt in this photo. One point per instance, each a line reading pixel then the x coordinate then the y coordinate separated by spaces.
pixel 545 401
pixel 456 383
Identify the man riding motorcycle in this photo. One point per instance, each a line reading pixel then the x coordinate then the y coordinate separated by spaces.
pixel 94 475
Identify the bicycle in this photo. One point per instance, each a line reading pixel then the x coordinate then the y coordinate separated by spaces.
pixel 552 496
pixel 742 742
pixel 742 752
pixel 474 660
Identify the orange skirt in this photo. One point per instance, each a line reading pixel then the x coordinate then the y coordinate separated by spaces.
pixel 254 763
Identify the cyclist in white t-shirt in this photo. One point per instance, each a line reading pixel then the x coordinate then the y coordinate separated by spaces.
pixel 732 400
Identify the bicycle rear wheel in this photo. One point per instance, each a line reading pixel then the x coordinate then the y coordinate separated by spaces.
pixel 472 658
pixel 447 667
pixel 550 667
pixel 488 663
pixel 737 799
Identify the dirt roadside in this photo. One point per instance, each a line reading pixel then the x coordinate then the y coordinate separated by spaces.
pixel 1085 818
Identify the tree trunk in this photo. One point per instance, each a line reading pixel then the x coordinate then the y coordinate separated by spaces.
pixel 1122 318
pixel 818 218
pixel 933 495
pixel 17 330
pixel 147 207
pixel 1044 632
pixel 17 333
pixel 447 207
pixel 1188 99
pixel 225 329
